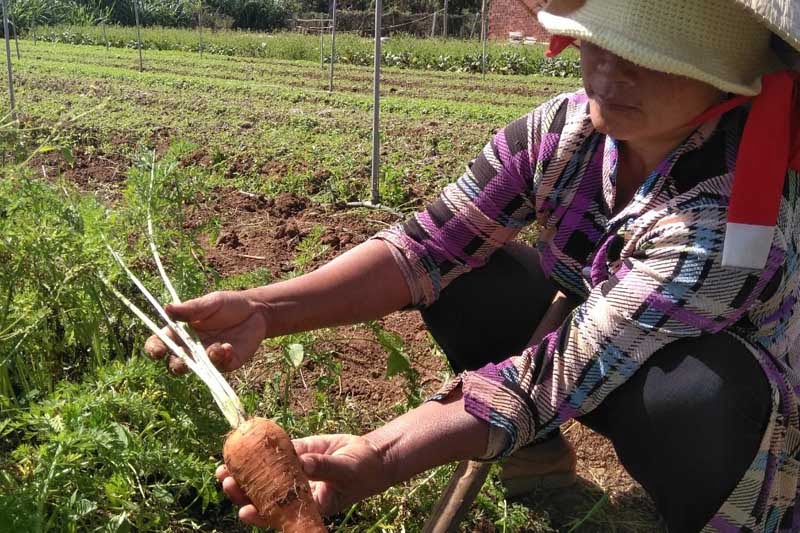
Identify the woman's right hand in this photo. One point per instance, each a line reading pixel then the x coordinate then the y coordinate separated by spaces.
pixel 231 325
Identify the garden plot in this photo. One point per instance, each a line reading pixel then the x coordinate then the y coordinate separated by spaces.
pixel 258 164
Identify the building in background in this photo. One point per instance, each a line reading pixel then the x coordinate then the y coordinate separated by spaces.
pixel 516 19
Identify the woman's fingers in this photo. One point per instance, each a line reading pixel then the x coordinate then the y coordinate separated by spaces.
pixel 234 492
pixel 223 356
pixel 176 365
pixel 326 497
pixel 320 443
pixel 197 309
pixel 155 348
pixel 249 515
pixel 230 487
pixel 221 472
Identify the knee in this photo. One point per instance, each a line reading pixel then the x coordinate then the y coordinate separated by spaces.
pixel 724 379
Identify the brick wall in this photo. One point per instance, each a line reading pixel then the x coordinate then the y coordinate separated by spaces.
pixel 515 15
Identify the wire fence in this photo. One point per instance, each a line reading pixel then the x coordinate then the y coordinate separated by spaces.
pixel 431 24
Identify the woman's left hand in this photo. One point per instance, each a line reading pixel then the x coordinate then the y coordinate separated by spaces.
pixel 343 469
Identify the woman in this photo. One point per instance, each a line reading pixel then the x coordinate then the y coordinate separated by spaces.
pixel 684 281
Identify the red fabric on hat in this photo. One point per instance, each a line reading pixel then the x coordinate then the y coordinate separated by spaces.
pixel 794 163
pixel 764 154
pixel 557 45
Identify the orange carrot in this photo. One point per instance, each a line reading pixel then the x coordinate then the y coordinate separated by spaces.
pixel 262 460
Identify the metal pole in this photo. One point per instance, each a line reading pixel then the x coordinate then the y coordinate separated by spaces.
pixel 8 61
pixel 105 37
pixel 16 39
pixel 483 39
pixel 138 33
pixel 444 26
pixel 200 31
pixel 321 43
pixel 474 23
pixel 376 106
pixel 333 44
pixel 433 25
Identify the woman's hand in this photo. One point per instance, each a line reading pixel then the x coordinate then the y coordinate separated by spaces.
pixel 343 469
pixel 230 324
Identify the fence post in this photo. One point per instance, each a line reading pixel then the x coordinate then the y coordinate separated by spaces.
pixel 321 43
pixel 433 24
pixel 444 26
pixel 16 40
pixel 484 31
pixel 138 33
pixel 200 31
pixel 8 62
pixel 333 44
pixel 105 37
pixel 474 23
pixel 376 106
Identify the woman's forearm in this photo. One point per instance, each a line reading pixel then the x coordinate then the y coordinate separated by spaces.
pixel 430 435
pixel 362 284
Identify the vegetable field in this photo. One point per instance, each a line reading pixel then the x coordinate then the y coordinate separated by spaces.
pixel 252 161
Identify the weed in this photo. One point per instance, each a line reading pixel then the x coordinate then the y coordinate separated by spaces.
pixel 309 249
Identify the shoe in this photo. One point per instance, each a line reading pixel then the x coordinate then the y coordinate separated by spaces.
pixel 547 465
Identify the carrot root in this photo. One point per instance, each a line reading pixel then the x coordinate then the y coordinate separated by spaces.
pixel 262 460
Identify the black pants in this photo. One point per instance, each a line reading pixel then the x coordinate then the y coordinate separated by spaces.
pixel 686 425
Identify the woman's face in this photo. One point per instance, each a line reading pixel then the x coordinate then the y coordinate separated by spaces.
pixel 633 103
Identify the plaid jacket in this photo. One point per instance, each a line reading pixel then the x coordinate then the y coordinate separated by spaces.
pixel 647 276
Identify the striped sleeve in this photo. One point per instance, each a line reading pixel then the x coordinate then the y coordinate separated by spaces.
pixel 473 217
pixel 671 285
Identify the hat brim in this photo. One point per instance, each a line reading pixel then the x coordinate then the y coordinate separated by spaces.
pixel 621 45
pixel 780 16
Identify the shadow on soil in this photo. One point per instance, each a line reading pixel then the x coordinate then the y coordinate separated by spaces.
pixel 586 507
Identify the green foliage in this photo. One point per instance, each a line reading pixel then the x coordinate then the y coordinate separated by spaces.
pixel 53 311
pixel 450 55
pixel 255 278
pixel 129 448
pixel 57 319
pixel 254 14
pixel 309 249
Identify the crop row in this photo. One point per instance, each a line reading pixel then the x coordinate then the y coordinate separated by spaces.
pixel 402 52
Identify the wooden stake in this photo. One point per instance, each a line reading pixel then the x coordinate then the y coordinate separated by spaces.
pixel 454 503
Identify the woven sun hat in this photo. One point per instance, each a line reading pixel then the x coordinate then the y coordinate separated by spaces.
pixel 724 43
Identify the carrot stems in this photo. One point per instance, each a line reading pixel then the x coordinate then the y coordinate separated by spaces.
pixel 197 359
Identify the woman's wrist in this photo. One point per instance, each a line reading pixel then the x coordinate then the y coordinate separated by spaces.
pixel 433 434
pixel 267 301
